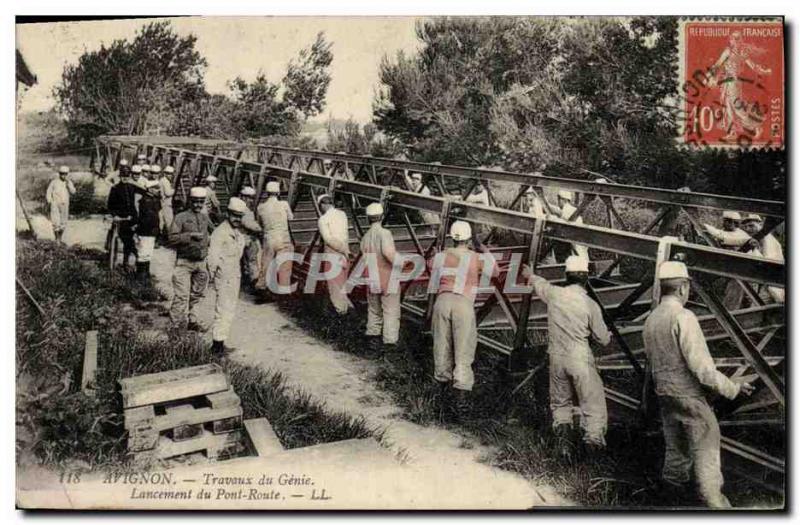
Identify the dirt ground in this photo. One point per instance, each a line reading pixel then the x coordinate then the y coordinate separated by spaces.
pixel 264 336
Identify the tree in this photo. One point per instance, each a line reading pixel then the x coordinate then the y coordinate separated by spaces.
pixel 307 78
pixel 130 87
pixel 592 94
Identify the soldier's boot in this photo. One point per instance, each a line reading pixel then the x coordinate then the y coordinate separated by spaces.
pixel 218 348
pixel 443 400
pixel 592 450
pixel 148 280
pixel 462 405
pixel 141 273
pixel 564 441
pixel 193 325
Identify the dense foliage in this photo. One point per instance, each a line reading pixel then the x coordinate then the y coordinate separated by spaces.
pixel 154 85
pixel 592 94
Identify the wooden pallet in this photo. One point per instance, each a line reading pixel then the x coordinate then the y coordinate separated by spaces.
pixel 180 412
pixel 182 420
pixel 214 446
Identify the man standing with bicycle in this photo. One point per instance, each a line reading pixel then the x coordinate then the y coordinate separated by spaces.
pixel 122 207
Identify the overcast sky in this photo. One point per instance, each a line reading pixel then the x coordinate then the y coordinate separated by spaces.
pixel 235 46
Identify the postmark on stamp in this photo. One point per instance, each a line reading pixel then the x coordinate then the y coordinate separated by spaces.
pixel 731 83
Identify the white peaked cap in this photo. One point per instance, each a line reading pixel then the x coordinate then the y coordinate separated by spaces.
pixel 247 191
pixel 169 169
pixel 564 194
pixel 123 162
pixel 731 215
pixel 673 270
pixel 145 167
pixel 141 156
pixel 323 197
pixel 273 187
pixel 576 263
pixel 155 168
pixel 211 178
pixel 416 175
pixel 63 169
pixel 460 231
pixel 754 217
pixel 601 180
pixel 136 169
pixel 237 205
pixel 198 192
pixel 374 209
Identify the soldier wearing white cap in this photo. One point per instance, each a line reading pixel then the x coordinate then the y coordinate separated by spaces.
pixel 768 247
pixel 167 192
pixel 683 371
pixel 57 196
pixel 383 304
pixel 533 204
pixel 148 226
pixel 138 174
pixel 213 209
pixel 274 215
pixel 188 234
pixel 155 172
pixel 456 273
pixel 224 255
pixel 573 321
pixel 253 232
pixel 415 183
pixel 567 210
pixel 335 233
pixel 730 236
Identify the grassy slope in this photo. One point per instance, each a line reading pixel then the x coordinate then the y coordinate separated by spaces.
pixel 516 427
pixel 57 424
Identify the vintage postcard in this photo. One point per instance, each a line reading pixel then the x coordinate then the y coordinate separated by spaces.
pixel 401 263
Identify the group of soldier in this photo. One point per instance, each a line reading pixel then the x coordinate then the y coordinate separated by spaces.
pixel 212 246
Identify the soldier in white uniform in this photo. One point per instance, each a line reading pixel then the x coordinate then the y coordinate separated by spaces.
pixel 253 230
pixel 573 320
pixel 414 181
pixel 58 194
pixel 167 192
pixel 770 248
pixel 334 230
pixel 683 372
pixel 224 255
pixel 731 237
pixel 383 305
pixel 274 215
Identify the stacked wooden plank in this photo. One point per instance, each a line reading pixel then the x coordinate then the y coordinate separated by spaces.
pixel 182 411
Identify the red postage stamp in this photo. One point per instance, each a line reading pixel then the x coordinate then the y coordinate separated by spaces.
pixel 731 83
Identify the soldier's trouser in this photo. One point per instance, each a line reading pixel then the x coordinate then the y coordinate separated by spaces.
pixel 692 439
pixel 383 316
pixel 455 337
pixel 282 274
pixel 59 214
pixel 227 284
pixel 336 284
pixel 575 376
pixel 189 281
pixel 734 295
pixel 145 247
pixel 128 243
pixel 166 215
pixel 250 259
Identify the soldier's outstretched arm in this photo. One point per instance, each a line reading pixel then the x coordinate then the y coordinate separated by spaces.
pixel 698 359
